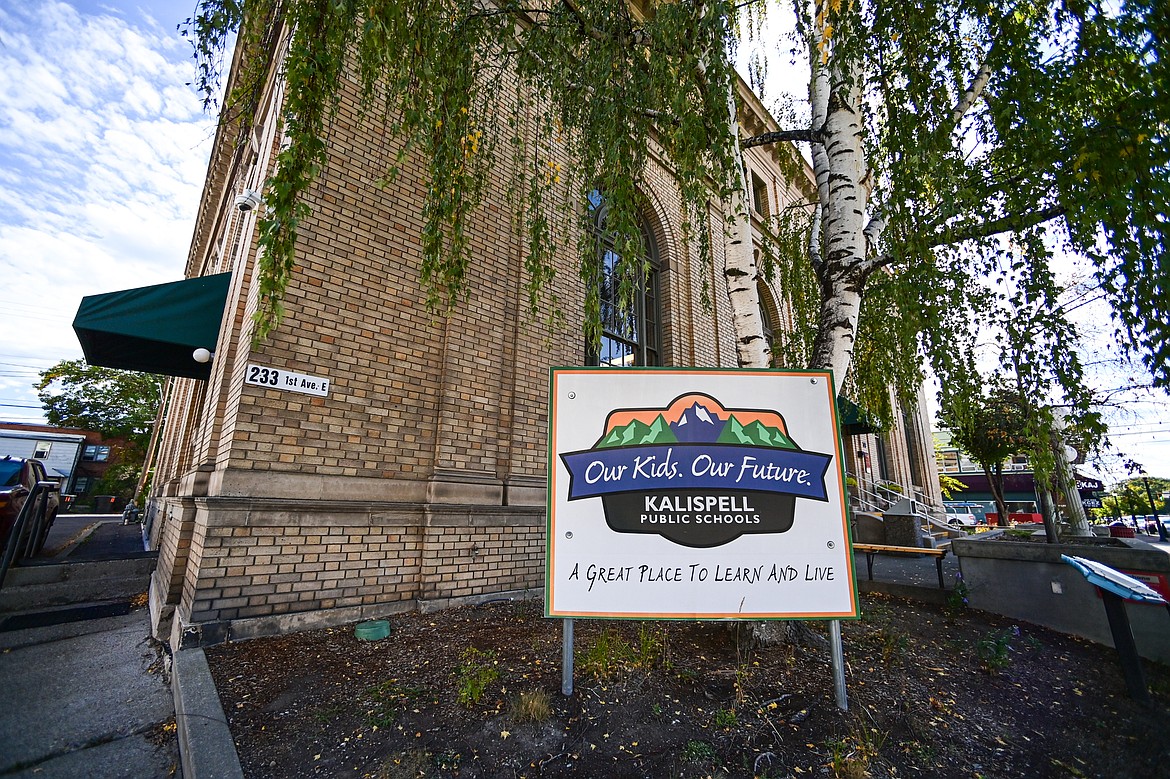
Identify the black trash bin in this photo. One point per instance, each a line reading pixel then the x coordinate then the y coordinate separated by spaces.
pixel 103 504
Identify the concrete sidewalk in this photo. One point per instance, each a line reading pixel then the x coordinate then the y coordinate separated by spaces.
pixel 84 689
pixel 907 576
pixel 86 698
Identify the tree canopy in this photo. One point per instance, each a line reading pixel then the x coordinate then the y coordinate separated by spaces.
pixel 959 149
pixel 991 428
pixel 117 404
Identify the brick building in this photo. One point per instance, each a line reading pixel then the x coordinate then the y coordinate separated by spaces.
pixel 416 478
pixel 78 458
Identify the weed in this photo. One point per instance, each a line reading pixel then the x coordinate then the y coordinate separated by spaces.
pixel 726 719
pixel 921 754
pixel 994 651
pixel 447 760
pixel 957 600
pixel 742 676
pixel 606 658
pixel 328 714
pixel 894 643
pixel 611 655
pixel 850 758
pixel 656 709
pixel 532 706
pixel 652 648
pixel 877 612
pixel 477 669
pixel 846 761
pixel 384 700
pixel 699 752
pixel 407 765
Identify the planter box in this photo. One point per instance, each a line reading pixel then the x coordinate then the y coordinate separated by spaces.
pixel 1027 580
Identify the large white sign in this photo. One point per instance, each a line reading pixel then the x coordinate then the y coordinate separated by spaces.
pixel 275 378
pixel 696 494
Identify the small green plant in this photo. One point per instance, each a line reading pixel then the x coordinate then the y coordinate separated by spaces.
pixel 850 758
pixel 742 678
pixel 531 706
pixel 384 700
pixel 447 760
pixel 726 719
pixel 327 714
pixel 922 754
pixel 406 765
pixel 477 669
pixel 699 752
pixel 844 762
pixel 877 610
pixel 652 647
pixel 957 601
pixel 606 657
pixel 994 651
pixel 894 643
pixel 611 655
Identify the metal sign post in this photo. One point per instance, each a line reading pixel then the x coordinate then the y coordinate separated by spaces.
pixel 566 657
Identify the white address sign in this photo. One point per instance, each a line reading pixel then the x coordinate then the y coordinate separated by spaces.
pixel 275 378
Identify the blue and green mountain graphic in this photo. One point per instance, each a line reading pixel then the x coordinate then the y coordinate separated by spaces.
pixel 696 428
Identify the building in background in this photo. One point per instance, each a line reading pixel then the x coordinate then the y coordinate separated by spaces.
pixel 79 458
pixel 1019 484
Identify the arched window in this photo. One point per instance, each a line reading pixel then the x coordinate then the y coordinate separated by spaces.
pixel 631 337
pixel 768 318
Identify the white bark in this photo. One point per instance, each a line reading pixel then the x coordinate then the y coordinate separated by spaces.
pixel 739 261
pixel 840 168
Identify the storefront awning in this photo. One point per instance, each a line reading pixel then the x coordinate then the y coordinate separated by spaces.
pixel 154 329
pixel 854 421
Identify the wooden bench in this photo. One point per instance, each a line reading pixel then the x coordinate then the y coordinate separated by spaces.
pixel 872 550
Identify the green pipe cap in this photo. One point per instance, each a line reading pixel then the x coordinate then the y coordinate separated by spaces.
pixel 374 630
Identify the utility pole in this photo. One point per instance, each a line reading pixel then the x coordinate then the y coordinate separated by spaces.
pixel 1154 509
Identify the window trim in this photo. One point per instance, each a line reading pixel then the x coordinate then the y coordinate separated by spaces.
pixel 648 346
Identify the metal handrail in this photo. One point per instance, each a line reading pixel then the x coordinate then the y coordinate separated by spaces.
pixel 879 498
pixel 19 547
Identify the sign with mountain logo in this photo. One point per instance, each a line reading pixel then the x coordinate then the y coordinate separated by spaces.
pixel 703 493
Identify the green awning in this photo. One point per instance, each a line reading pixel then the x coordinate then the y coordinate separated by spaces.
pixel 854 421
pixel 154 329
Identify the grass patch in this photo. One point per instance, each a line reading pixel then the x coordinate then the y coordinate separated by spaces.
pixel 531 706
pixel 611 655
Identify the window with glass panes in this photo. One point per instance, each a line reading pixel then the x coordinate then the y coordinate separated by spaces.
pixel 631 336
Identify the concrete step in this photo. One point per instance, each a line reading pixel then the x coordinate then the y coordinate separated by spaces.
pixel 43 586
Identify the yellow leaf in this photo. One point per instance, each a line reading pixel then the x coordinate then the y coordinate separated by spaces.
pixel 504 734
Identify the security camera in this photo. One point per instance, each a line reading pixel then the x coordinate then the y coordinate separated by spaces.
pixel 248 200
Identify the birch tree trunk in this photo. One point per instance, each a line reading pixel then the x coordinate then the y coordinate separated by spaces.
pixel 739 260
pixel 840 253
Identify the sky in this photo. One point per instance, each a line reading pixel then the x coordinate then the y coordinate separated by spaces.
pixel 103 153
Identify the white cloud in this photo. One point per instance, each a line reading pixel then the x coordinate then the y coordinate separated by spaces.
pixel 103 153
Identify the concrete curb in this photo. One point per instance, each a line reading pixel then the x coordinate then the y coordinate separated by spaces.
pixel 206 748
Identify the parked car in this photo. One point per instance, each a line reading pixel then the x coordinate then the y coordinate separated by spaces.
pixel 1152 525
pixel 18 477
pixel 963 514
